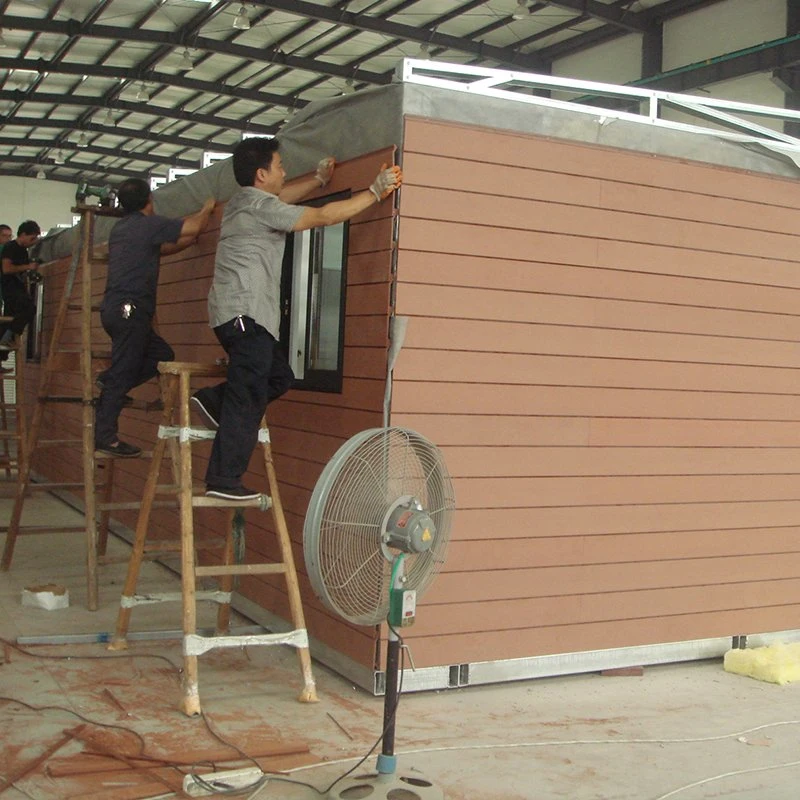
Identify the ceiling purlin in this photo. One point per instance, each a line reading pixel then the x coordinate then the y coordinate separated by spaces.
pixel 173 39
pixel 96 173
pixel 430 27
pixel 650 18
pixel 140 108
pixel 214 88
pixel 190 29
pixel 135 74
pixel 93 15
pixel 24 51
pixel 47 144
pixel 113 93
pixel 504 55
pixel 614 15
pixel 161 138
pixel 345 37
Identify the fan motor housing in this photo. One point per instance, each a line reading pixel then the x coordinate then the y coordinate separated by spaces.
pixel 408 527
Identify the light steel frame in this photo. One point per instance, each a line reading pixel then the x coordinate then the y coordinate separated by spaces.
pixel 710 111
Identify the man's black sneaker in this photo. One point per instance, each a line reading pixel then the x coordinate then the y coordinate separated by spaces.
pixel 235 493
pixel 206 402
pixel 120 450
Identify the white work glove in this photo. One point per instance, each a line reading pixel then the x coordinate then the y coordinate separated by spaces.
pixel 388 179
pixel 324 171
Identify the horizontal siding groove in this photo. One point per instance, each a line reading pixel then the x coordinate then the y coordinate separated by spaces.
pixel 505 192
pixel 457 239
pixel 461 271
pixel 605 163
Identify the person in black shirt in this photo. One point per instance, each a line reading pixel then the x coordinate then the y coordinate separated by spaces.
pixel 6 234
pixel 129 303
pixel 17 302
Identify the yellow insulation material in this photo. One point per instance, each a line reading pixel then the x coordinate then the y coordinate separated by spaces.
pixel 778 663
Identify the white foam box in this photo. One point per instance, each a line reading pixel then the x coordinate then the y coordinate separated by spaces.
pixel 49 596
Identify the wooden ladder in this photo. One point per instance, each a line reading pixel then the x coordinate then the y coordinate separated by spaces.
pixel 64 359
pixel 13 420
pixel 175 385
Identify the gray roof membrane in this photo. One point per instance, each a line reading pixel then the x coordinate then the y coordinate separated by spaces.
pixel 372 119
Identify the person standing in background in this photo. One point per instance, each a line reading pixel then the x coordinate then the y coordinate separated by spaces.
pixel 17 301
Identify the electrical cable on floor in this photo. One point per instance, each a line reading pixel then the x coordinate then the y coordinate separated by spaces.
pixel 561 743
pixel 25 652
pixel 65 710
pixel 361 759
pixel 726 775
pixel 267 777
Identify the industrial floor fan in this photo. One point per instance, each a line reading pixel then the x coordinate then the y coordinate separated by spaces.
pixel 375 535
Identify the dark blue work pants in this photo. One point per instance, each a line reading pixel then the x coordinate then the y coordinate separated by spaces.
pixel 257 373
pixel 136 350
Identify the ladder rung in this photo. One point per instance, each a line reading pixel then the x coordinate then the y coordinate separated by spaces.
pixel 132 506
pixel 173 546
pixel 10 435
pixel 46 487
pixel 51 529
pixel 197 369
pixel 62 398
pixel 143 454
pixel 195 645
pixel 79 307
pixel 57 442
pixel 214 502
pixel 241 569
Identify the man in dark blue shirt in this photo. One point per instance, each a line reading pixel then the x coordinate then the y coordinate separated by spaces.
pixel 129 303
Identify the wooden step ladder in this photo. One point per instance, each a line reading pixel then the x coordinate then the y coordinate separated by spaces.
pixel 13 420
pixel 64 359
pixel 176 380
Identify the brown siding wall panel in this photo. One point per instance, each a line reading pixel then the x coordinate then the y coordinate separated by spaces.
pixel 314 424
pixel 604 345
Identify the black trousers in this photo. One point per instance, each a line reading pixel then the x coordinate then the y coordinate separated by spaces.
pixel 136 350
pixel 17 303
pixel 257 373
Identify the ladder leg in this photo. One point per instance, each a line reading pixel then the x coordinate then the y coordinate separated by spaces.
pixel 119 642
pixel 4 423
pixel 191 686
pixel 90 492
pixel 309 692
pixel 226 582
pixel 105 516
pixel 20 416
pixel 23 477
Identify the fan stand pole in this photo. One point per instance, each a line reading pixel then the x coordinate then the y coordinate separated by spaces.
pixel 385 784
pixel 387 760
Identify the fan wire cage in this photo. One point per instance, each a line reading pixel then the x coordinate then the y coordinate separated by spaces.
pixel 350 564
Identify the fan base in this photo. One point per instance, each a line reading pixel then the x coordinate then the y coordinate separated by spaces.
pixel 379 786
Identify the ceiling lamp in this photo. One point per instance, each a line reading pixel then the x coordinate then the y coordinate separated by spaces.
pixel 186 61
pixel 348 87
pixel 521 11
pixel 40 175
pixel 241 21
pixel 58 156
pixel 83 140
pixel 142 96
pixel 424 50
pixel 109 120
pixel 3 41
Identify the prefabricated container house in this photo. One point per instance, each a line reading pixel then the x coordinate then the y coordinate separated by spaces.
pixel 599 319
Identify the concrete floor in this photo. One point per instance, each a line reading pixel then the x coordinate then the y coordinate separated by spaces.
pixel 687 731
